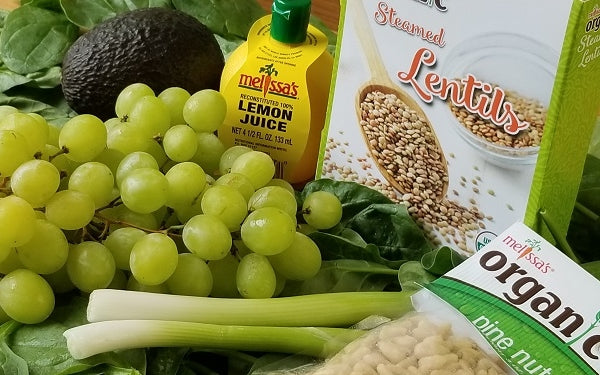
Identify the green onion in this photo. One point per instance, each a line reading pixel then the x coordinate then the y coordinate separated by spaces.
pixel 99 337
pixel 322 310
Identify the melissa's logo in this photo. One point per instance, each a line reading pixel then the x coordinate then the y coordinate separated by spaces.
pixel 594 20
pixel 266 83
pixel 529 251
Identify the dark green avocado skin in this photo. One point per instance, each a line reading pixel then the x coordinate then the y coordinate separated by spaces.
pixel 160 47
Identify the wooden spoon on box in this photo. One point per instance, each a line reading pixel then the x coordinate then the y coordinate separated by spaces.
pixel 420 169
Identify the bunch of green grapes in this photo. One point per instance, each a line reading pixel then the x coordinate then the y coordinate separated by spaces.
pixel 149 200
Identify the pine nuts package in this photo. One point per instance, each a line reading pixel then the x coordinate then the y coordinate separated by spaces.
pixel 416 344
pixel 509 309
pixel 473 114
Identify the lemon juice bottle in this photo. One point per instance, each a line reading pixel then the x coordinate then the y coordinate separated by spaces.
pixel 277 86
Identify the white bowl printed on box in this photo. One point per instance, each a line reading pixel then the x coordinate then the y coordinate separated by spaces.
pixel 513 62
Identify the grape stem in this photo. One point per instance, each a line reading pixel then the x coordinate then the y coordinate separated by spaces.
pixel 62 151
pixel 115 202
pixel 170 231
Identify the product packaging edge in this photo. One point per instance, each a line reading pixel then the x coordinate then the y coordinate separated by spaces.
pixel 516 295
pixel 479 116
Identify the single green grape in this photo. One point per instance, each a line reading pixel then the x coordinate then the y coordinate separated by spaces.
pixel 322 209
pixel 112 122
pixel 128 96
pixel 208 154
pixel 6 110
pixel 305 228
pixel 133 284
pixel 282 183
pixel 53 132
pixel 119 280
pixel 180 143
pixel 59 281
pixel 274 196
pixel 155 149
pixel 237 181
pixel 96 180
pixel 301 261
pixel 5 251
pixel 47 250
pixel 153 259
pixel 144 190
pixel 205 110
pixel 70 209
pixel 128 137
pixel 187 181
pixel 223 275
pixel 192 277
pixel 120 242
pixel 13 152
pixel 111 158
pixel 17 220
pixel 123 214
pixel 226 203
pixel 90 266
pixel 35 181
pixel 32 128
pixel 229 156
pixel 186 212
pixel 132 161
pixel 83 137
pixel 268 230
pixel 256 165
pixel 26 296
pixel 152 114
pixel 255 277
pixel 11 262
pixel 207 236
pixel 175 98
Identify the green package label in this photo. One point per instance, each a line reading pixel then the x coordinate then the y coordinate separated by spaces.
pixel 518 293
pixel 520 341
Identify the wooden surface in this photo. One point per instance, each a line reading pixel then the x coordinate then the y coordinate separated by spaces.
pixel 326 10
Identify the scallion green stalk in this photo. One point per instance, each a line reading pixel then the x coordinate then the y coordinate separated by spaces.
pixel 99 337
pixel 315 310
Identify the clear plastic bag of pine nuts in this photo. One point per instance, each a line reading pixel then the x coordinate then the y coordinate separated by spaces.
pixel 430 341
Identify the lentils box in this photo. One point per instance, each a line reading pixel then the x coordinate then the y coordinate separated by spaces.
pixel 474 114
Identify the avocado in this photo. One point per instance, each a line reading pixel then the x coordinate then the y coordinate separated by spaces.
pixel 160 47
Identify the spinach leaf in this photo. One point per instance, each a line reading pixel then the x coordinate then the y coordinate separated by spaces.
pixel 88 13
pixel 10 363
pixel 593 268
pixel 10 79
pixel 412 276
pixel 441 260
pixel 47 103
pixel 228 18
pixel 345 275
pixel 372 228
pixel 348 244
pixel 34 39
pixel 46 4
pixel 392 229
pixel 166 360
pixel 354 197
pixel 584 229
pixel 43 79
pixel 42 347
